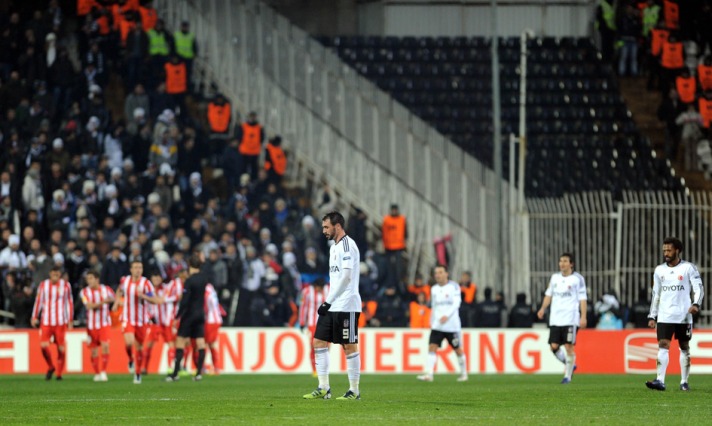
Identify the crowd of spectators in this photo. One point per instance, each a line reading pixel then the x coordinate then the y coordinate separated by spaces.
pixel 671 42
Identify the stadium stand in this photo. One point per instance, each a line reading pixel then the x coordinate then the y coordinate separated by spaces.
pixel 577 122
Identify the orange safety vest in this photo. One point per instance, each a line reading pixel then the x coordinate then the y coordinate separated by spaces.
pixel 672 55
pixel 705 107
pixel 276 159
pixel 658 36
pixel 117 11
pixel 704 74
pixel 469 293
pixel 686 88
pixel 416 290
pixel 132 4
pixel 219 117
pixel 251 143
pixel 369 311
pixel 672 14
pixel 84 6
pixel 176 78
pixel 419 315
pixel 394 232
pixel 148 17
pixel 103 23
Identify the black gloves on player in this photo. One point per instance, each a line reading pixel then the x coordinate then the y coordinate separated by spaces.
pixel 324 308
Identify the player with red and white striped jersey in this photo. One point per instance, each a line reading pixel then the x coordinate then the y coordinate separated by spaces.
pixel 138 293
pixel 213 320
pixel 311 296
pixel 55 306
pixel 164 314
pixel 97 299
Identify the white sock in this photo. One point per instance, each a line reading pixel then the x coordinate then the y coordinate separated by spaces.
pixel 684 365
pixel 430 367
pixel 570 362
pixel 353 367
pixel 560 354
pixel 663 358
pixel 463 364
pixel 321 356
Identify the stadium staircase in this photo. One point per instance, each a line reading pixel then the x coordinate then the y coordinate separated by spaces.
pixel 644 103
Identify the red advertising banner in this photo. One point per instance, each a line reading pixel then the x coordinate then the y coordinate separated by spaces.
pixel 280 350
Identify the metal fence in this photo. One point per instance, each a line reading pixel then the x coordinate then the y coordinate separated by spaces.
pixel 340 127
pixel 618 245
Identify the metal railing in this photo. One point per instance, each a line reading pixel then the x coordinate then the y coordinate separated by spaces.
pixel 341 127
pixel 618 245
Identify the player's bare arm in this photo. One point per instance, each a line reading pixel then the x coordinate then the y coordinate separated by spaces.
pixel 544 304
pixel 583 322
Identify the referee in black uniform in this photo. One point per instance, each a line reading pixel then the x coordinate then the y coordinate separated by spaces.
pixel 191 314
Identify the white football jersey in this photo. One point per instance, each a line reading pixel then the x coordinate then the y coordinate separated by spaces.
pixel 566 293
pixel 344 258
pixel 676 288
pixel 445 302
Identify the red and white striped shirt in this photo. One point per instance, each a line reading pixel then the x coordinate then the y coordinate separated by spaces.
pixel 213 310
pixel 311 300
pixel 98 317
pixel 170 292
pixel 54 301
pixel 137 311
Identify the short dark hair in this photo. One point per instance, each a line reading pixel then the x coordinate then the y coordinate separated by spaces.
pixel 56 268
pixel 194 261
pixel 569 255
pixel 440 265
pixel 675 242
pixel 335 218
pixel 94 273
pixel 136 261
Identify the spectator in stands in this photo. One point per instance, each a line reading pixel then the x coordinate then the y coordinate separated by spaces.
pixel 357 228
pixel 690 122
pixel 419 286
pixel 489 312
pixel 608 312
pixel 391 309
pixel 115 267
pixel 251 135
pixel 395 234
pixel 639 311
pixel 11 257
pixel 230 161
pixel 21 303
pixel 135 55
pixel 522 314
pixel 160 44
pixel 468 306
pixel 275 161
pixel 254 272
pixel 669 110
pixel 420 312
pixel 186 47
pixel 629 29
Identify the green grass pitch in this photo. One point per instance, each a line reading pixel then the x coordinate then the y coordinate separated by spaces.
pixel 386 399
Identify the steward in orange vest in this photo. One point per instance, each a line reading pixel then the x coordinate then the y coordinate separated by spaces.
pixel 250 134
pixel 658 36
pixel 85 6
pixel 219 114
pixel 671 14
pixel 686 87
pixel 176 76
pixel 275 161
pixel 704 105
pixel 672 54
pixel 419 313
pixel 704 73
pixel 394 230
pixel 419 287
pixel 149 16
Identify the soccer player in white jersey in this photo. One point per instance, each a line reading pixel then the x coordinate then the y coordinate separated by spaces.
pixel 445 299
pixel 97 299
pixel 677 296
pixel 338 315
pixel 567 296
